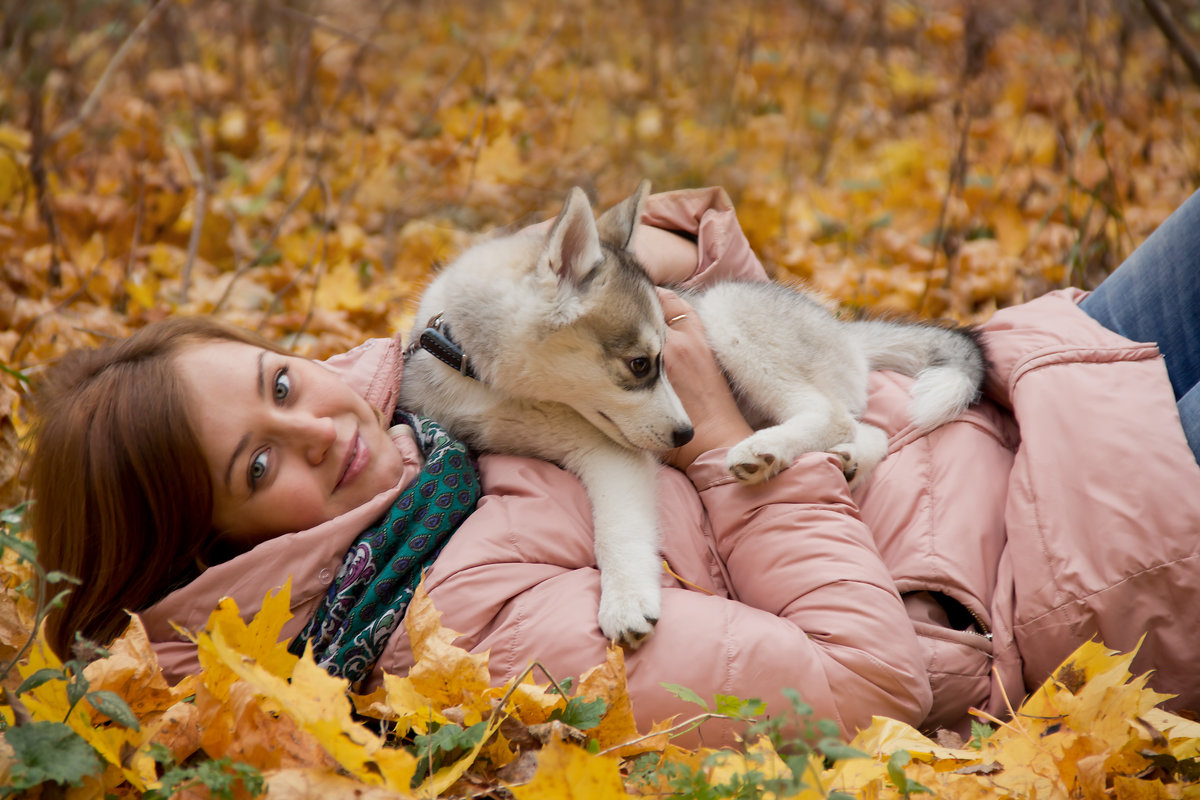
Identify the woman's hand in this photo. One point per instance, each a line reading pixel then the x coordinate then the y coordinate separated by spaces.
pixel 700 384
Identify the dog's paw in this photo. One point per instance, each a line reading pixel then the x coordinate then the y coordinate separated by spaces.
pixel 754 461
pixel 845 454
pixel 628 620
pixel 860 457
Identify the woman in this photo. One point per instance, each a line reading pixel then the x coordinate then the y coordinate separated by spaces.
pixel 1063 506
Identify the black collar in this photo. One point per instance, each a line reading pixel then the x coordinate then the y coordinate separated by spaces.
pixel 436 340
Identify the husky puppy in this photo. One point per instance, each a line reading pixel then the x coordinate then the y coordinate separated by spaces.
pixel 550 345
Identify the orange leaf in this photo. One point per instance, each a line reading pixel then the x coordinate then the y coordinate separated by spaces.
pixel 132 671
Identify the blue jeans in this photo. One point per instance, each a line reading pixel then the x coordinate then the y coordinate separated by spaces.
pixel 1154 296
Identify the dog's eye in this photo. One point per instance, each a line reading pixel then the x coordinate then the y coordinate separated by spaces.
pixel 640 366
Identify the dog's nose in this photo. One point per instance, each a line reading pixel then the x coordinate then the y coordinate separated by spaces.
pixel 681 436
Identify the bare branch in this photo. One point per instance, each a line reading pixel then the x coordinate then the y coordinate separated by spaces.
pixel 1166 23
pixel 89 105
pixel 200 201
pixel 309 19
pixel 262 250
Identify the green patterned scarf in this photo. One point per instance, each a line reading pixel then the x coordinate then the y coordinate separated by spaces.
pixel 380 573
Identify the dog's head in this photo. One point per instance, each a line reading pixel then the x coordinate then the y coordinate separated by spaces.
pixel 602 338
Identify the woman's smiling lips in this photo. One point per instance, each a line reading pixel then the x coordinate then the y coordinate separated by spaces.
pixel 356 460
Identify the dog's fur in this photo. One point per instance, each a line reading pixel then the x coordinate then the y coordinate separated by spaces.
pixel 800 375
pixel 564 334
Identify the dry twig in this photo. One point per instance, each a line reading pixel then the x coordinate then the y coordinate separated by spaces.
pixel 89 105
pixel 1166 23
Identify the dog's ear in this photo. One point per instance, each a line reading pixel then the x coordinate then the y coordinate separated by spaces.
pixel 618 225
pixel 572 249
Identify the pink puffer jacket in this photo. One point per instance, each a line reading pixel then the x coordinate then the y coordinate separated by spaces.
pixel 1064 506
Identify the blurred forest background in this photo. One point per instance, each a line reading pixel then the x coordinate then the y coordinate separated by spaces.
pixel 301 166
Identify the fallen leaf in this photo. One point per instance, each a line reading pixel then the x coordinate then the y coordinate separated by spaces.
pixel 566 772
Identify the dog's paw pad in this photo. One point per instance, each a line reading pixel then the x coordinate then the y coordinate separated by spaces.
pixel 751 467
pixel 634 639
pixel 629 623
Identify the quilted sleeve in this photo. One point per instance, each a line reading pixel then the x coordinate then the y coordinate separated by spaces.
pixel 707 216
pixel 813 608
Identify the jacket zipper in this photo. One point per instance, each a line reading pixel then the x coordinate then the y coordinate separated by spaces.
pixel 984 630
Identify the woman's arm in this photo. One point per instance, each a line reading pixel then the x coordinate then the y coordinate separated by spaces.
pixel 705 218
pixel 812 609
pixel 689 238
pixel 796 549
pixel 700 384
pixel 669 257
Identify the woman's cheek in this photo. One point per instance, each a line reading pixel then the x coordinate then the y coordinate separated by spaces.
pixel 301 504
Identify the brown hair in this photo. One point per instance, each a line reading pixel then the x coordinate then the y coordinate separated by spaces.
pixel 121 489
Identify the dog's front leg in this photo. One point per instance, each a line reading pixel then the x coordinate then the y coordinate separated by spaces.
pixel 620 485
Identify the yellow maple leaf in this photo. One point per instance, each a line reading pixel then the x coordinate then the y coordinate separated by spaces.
pixel 885 736
pixel 313 698
pixel 1093 692
pixel 1028 761
pixel 500 162
pixel 1086 726
pixel 257 642
pixel 131 672
pixel 567 772
pixel 142 291
pixel 401 703
pixel 446 674
pixel 534 703
pixel 246 726
pixel 341 288
pixel 1077 730
pixel 319 783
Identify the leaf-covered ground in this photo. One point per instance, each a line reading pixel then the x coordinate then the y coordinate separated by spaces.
pixel 299 167
pixel 283 725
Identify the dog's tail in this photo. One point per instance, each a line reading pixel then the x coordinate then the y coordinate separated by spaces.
pixel 949 364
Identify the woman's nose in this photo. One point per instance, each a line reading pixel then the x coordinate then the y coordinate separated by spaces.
pixel 314 435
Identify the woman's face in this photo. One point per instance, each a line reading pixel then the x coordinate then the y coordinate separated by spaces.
pixel 289 444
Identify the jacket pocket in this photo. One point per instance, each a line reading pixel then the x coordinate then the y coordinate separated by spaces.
pixel 958 658
pixel 959 665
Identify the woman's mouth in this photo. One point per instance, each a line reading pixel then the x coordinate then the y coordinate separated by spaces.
pixel 356 460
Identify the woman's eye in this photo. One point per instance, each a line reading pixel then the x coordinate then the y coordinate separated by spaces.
pixel 639 366
pixel 258 467
pixel 283 386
